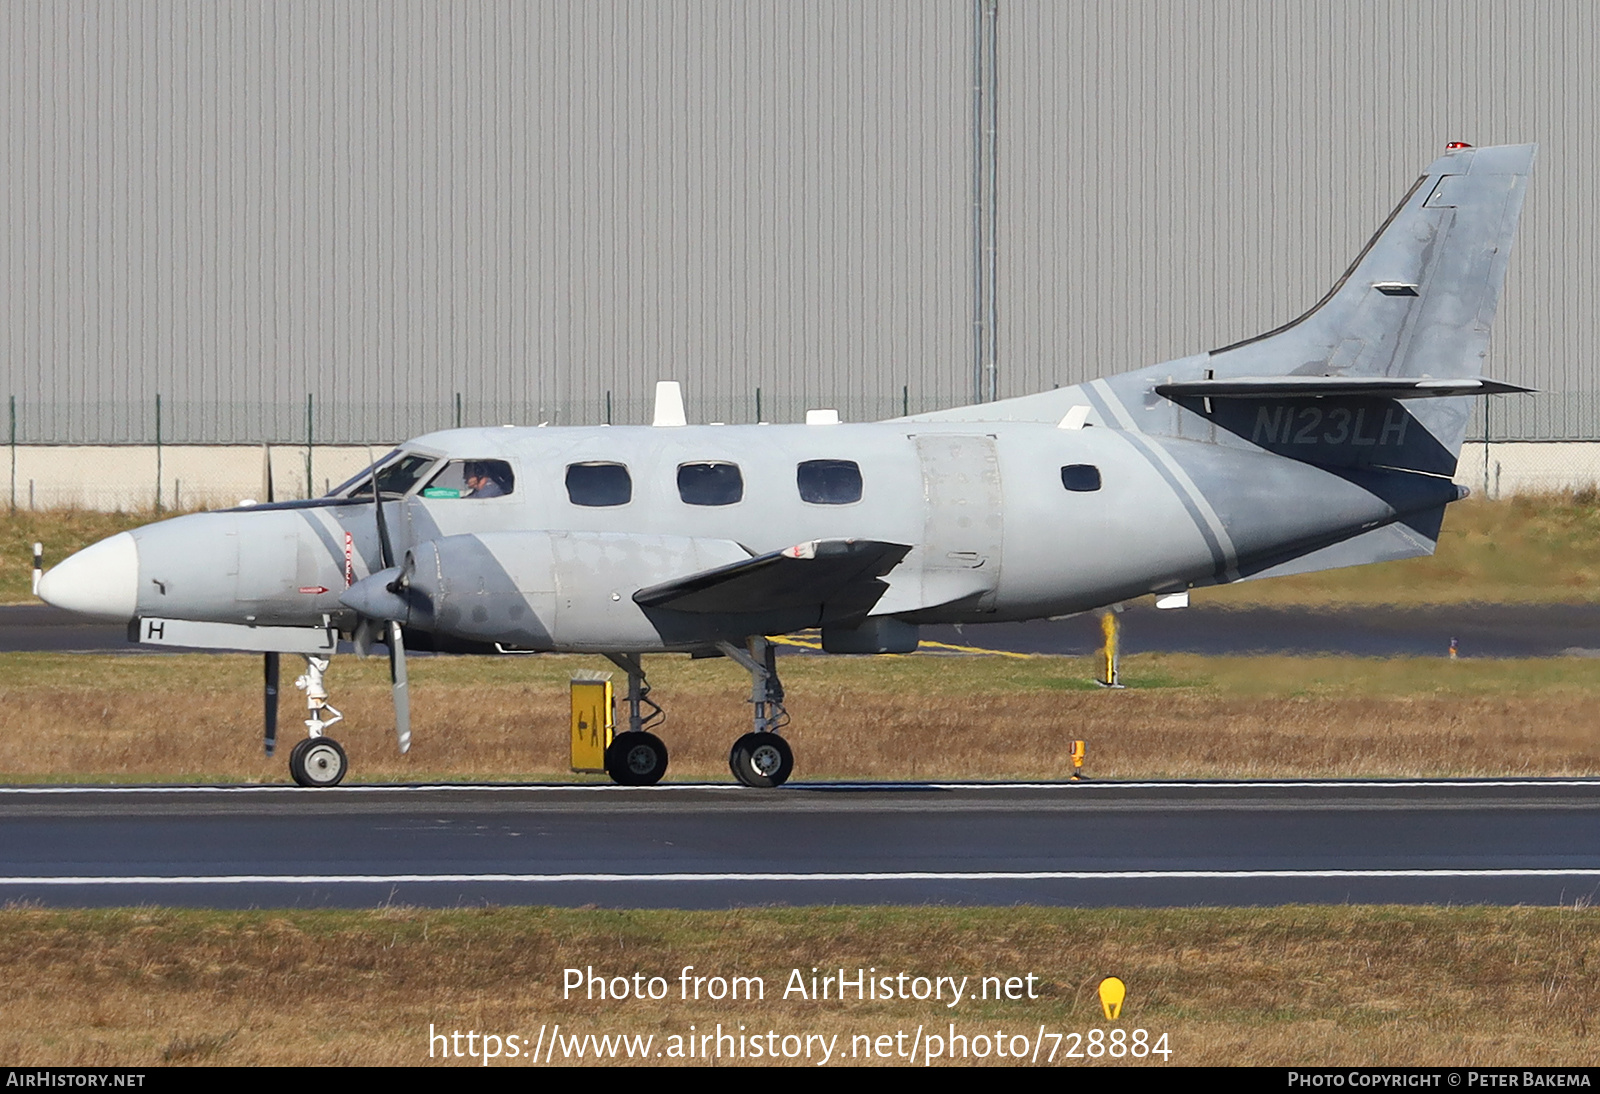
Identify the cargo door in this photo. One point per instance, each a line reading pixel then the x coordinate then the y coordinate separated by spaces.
pixel 963 525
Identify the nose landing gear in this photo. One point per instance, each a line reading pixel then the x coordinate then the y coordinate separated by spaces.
pixel 318 760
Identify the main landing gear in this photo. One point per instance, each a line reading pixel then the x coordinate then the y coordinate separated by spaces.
pixel 318 760
pixel 761 758
pixel 637 757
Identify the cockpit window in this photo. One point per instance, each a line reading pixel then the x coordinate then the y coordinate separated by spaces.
pixel 829 482
pixel 599 484
pixel 472 479
pixel 395 478
pixel 710 483
pixel 347 488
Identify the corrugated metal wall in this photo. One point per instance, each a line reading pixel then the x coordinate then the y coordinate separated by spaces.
pixel 383 206
pixel 1179 176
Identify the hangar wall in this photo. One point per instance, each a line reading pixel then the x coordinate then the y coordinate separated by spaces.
pixel 364 221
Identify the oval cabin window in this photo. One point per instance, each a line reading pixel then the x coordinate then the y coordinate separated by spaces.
pixel 599 484
pixel 710 483
pixel 1080 477
pixel 829 482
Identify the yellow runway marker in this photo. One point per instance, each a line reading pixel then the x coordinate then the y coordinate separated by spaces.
pixel 806 644
pixel 796 642
pixel 976 649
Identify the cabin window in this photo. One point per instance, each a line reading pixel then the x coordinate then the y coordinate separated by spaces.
pixel 1080 477
pixel 599 484
pixel 710 483
pixel 472 479
pixel 829 482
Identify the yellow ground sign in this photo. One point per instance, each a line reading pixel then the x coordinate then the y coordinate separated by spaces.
pixel 593 723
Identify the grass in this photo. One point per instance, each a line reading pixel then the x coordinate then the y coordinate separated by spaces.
pixel 1529 549
pixel 197 718
pixel 1296 985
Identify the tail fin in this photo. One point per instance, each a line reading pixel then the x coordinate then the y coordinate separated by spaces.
pixel 1369 377
pixel 1402 331
pixel 1420 298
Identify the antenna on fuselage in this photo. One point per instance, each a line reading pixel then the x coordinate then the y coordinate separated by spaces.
pixel 669 403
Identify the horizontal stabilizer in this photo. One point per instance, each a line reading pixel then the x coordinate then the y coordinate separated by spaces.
pixel 816 573
pixel 1317 387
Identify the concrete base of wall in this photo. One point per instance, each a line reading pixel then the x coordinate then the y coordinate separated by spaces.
pixel 1528 467
pixel 124 477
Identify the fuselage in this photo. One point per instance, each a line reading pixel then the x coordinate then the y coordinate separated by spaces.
pixel 1005 521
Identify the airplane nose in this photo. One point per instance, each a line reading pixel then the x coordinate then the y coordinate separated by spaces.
pixel 101 580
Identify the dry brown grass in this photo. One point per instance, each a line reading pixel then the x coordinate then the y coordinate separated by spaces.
pixel 1345 986
pixel 197 718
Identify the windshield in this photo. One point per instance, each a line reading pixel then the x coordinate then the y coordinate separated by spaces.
pixel 396 476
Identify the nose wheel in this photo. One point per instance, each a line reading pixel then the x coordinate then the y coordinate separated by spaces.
pixel 318 762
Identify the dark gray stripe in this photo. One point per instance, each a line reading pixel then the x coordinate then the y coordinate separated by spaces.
pixel 1219 558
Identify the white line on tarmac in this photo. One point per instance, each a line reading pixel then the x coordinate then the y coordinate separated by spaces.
pixel 1085 786
pixel 905 875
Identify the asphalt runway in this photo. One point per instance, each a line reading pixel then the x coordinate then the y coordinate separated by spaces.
pixel 1125 844
pixel 1481 630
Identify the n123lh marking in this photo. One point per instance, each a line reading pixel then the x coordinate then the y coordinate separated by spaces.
pixel 1285 424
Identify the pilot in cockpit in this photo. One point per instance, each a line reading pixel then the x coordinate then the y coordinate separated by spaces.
pixel 480 481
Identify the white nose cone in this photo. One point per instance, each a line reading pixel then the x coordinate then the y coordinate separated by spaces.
pixel 102 580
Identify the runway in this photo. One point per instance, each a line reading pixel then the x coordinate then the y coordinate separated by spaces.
pixel 1480 630
pixel 1531 841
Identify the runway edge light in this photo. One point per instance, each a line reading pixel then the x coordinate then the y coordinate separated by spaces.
pixel 1112 992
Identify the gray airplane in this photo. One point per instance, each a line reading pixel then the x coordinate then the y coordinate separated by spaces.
pixel 1328 442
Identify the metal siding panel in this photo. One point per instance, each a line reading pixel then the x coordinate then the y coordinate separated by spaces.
pixel 383 205
pixel 1178 176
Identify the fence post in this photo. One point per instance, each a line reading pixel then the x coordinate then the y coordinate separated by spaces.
pixel 158 452
pixel 310 490
pixel 13 452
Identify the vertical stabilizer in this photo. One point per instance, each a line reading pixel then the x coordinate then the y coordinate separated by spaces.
pixel 1421 296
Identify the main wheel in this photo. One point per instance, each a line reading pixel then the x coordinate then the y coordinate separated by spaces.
pixel 318 761
pixel 761 760
pixel 636 758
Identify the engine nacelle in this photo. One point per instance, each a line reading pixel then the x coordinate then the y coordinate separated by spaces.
pixel 547 590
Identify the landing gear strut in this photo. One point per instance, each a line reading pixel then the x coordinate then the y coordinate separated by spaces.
pixel 318 760
pixel 637 757
pixel 761 758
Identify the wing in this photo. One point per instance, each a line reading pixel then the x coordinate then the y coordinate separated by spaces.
pixel 836 576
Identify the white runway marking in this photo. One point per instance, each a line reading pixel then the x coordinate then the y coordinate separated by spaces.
pixel 608 788
pixel 904 875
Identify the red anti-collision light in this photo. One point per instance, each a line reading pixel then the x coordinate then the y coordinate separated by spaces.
pixel 1453 145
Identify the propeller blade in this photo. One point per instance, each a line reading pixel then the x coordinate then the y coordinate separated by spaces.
pixel 385 548
pixel 402 697
pixel 269 738
pixel 362 638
